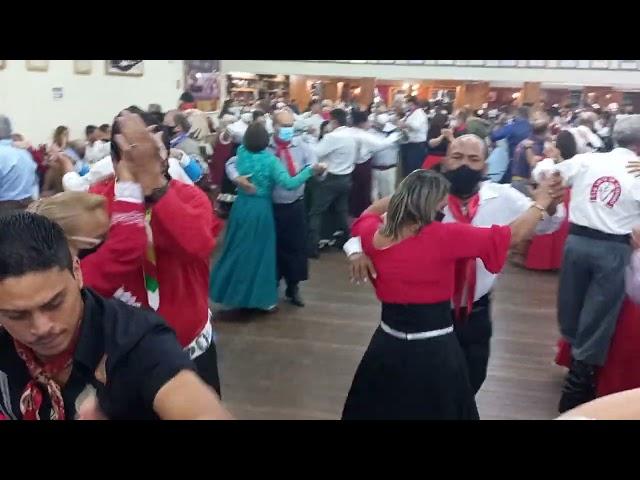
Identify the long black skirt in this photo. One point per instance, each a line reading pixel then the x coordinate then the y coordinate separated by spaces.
pixel 291 241
pixel 412 379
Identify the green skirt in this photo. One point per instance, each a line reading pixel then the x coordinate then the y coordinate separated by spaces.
pixel 245 274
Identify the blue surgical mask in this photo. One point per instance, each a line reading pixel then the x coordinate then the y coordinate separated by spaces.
pixel 285 133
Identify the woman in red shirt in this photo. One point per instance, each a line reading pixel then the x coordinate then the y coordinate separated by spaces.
pixel 414 367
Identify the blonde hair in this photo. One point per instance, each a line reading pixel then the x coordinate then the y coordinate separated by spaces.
pixel 415 202
pixel 67 208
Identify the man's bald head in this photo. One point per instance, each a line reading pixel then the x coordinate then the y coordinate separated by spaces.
pixel 283 118
pixel 467 150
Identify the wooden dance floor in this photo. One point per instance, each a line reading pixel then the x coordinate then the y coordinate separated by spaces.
pixel 299 363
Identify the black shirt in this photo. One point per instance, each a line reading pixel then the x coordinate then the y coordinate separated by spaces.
pixel 142 354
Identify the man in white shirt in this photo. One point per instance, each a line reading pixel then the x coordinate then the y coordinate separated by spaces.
pixel 605 206
pixel 368 145
pixel 383 162
pixel 312 120
pixel 415 125
pixel 338 149
pixel 482 204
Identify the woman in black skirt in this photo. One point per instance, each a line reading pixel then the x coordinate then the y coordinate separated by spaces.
pixel 414 367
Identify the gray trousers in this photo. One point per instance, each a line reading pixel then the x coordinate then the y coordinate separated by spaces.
pixel 590 295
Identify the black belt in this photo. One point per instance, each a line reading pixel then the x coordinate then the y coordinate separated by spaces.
pixel 582 231
pixel 377 167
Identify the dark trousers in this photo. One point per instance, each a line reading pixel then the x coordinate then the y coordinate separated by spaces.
pixel 291 241
pixel 332 191
pixel 590 295
pixel 360 196
pixel 207 365
pixel 412 156
pixel 474 335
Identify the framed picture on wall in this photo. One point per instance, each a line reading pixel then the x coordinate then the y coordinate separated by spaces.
pixel 130 68
pixel 82 67
pixel 38 65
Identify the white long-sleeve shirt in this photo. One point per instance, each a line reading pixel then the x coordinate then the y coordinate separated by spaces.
pixel 338 149
pixel 417 124
pixel 499 205
pixel 370 143
pixel 604 196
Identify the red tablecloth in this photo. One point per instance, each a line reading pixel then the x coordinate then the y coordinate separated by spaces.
pixel 545 251
pixel 622 370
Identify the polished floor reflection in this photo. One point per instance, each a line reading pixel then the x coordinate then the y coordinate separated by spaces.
pixel 299 363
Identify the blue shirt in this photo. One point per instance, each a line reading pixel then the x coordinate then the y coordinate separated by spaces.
pixel 18 178
pixel 515 132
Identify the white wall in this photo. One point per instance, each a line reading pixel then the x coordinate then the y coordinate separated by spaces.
pixel 624 80
pixel 27 98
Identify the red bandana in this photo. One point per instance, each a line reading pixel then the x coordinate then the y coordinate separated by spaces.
pixel 465 269
pixel 283 152
pixel 43 374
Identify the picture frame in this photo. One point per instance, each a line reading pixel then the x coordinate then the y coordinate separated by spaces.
pixel 82 67
pixel 37 65
pixel 127 68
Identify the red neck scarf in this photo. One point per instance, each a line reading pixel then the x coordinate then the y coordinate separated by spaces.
pixel 187 106
pixel 43 374
pixel 283 152
pixel 465 268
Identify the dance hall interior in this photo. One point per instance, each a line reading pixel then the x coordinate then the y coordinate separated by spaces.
pixel 319 239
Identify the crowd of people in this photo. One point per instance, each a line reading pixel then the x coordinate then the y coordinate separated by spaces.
pixel 108 292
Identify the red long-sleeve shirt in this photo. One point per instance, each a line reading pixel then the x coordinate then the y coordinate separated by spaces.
pixel 184 230
pixel 109 269
pixel 420 269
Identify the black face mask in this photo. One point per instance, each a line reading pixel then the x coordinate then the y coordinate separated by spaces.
pixel 439 216
pixel 464 180
pixel 85 252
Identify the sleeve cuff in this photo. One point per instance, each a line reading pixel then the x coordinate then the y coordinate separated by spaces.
pixel 129 192
pixel 353 246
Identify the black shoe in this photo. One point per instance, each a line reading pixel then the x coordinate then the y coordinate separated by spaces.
pixel 579 386
pixel 293 295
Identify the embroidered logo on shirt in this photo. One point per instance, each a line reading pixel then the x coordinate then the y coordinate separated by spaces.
pixel 606 190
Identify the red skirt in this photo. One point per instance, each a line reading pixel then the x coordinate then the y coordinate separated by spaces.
pixel 622 369
pixel 431 161
pixel 545 251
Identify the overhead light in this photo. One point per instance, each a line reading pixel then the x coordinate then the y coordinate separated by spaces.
pixel 608 96
pixel 405 86
pixel 515 95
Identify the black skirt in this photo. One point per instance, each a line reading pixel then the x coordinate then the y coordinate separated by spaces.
pixel 423 379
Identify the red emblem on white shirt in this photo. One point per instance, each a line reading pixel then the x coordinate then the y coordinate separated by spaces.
pixel 606 190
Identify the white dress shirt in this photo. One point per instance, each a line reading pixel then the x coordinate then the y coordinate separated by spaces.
pixel 387 156
pixel 236 130
pixel 311 120
pixel 604 196
pixel 369 143
pixel 338 149
pixel 499 205
pixel 417 124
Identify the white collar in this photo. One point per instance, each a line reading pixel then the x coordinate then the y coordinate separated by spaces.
pixel 489 190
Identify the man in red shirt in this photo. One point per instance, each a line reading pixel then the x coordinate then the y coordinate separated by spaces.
pixel 181 230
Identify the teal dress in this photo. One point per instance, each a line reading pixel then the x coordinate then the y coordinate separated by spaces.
pixel 245 274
